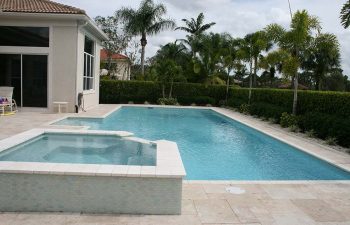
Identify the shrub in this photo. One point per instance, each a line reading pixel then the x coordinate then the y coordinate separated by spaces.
pixel 288 120
pixel 198 100
pixel 262 109
pixel 235 102
pixel 311 133
pixel 331 141
pixel 327 126
pixel 244 108
pixel 294 128
pixel 167 101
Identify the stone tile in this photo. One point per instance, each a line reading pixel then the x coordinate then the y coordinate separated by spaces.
pixel 291 219
pixel 187 207
pixel 215 211
pixel 245 215
pixel 288 191
pixel 341 205
pixel 215 188
pixel 193 191
pixel 97 219
pixel 280 206
pixel 170 220
pixel 243 201
pixel 263 215
pixel 319 210
pixel 40 219
pixel 8 218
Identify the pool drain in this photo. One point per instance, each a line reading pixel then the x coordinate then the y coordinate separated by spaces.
pixel 235 190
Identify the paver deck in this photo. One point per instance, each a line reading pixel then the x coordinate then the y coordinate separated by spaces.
pixel 208 202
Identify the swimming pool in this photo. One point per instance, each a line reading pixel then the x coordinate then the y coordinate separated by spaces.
pixel 82 149
pixel 214 147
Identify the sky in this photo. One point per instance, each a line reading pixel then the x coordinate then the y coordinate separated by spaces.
pixel 237 17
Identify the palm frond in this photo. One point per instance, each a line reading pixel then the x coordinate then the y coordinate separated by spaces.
pixel 345 15
pixel 162 24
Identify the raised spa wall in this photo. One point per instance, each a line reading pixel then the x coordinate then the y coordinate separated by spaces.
pixel 87 188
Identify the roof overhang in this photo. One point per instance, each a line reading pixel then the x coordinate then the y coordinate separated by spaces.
pixel 89 24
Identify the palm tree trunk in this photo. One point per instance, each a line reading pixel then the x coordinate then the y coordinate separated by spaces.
pixel 255 70
pixel 250 80
pixel 227 84
pixel 295 98
pixel 171 88
pixel 143 45
pixel 163 90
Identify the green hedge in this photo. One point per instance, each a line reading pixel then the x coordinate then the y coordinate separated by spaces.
pixel 114 92
pixel 267 110
pixel 334 103
pixel 327 113
pixel 326 126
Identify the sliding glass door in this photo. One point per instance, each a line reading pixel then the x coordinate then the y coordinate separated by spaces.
pixel 28 75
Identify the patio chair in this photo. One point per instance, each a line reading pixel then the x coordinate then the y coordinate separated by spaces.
pixel 7 93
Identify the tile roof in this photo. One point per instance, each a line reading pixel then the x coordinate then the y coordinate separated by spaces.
pixel 114 56
pixel 38 6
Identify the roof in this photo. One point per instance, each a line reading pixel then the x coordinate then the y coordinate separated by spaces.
pixel 289 86
pixel 114 56
pixel 38 6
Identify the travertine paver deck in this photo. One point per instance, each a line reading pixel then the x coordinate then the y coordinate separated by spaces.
pixel 207 202
pixel 329 204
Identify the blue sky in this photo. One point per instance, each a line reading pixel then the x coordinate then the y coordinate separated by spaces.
pixel 237 17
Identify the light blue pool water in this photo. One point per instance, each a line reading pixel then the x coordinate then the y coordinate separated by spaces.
pixel 214 147
pixel 85 149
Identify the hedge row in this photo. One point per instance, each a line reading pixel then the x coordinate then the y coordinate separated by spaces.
pixel 327 113
pixel 333 103
pixel 113 92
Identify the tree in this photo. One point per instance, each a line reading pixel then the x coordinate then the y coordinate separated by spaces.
pixel 245 54
pixel 146 20
pixel 195 26
pixel 118 39
pixel 230 59
pixel 323 56
pixel 272 63
pixel 335 81
pixel 295 41
pixel 345 15
pixel 208 58
pixel 259 43
pixel 167 71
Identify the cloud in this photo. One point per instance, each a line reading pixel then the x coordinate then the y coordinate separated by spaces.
pixel 237 17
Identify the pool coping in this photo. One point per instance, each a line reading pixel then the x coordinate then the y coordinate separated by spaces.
pixel 169 163
pixel 337 159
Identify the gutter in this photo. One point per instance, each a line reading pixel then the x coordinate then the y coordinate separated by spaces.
pixel 90 24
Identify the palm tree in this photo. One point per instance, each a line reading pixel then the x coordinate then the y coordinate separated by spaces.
pixel 146 20
pixel 259 43
pixel 196 26
pixel 323 57
pixel 345 15
pixel 208 58
pixel 295 41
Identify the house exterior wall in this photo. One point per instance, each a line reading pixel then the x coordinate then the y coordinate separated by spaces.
pixel 91 97
pixel 65 59
pixel 122 69
pixel 64 64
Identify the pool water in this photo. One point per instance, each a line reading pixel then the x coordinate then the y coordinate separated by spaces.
pixel 214 147
pixel 83 149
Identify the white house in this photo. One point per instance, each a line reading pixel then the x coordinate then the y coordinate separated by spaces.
pixel 120 63
pixel 49 52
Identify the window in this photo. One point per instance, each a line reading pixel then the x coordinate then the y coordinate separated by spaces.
pixel 24 36
pixel 89 56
